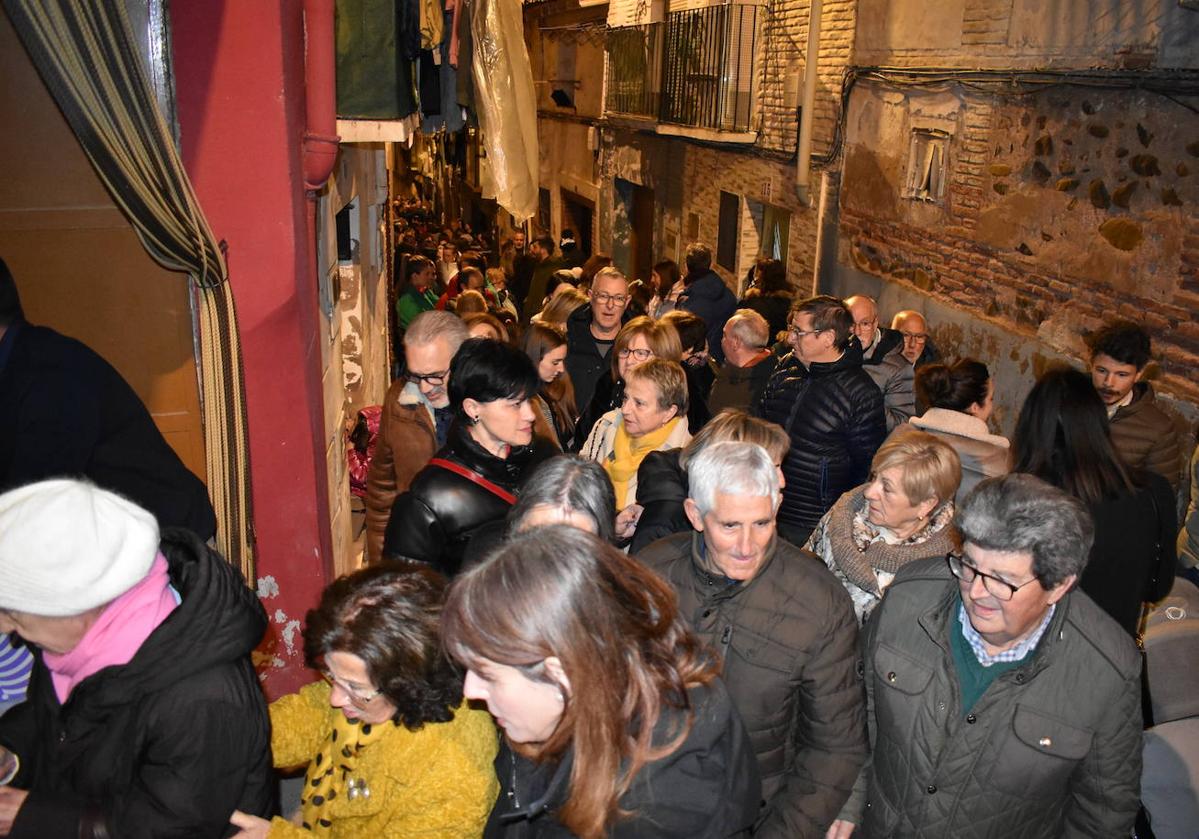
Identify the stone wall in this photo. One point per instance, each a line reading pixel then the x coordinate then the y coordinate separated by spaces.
pixel 1064 205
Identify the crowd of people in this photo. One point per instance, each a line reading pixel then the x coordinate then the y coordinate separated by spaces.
pixel 642 559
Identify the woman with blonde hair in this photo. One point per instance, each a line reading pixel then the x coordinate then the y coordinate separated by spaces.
pixel 558 308
pixel 904 513
pixel 615 721
pixel 545 345
pixel 640 339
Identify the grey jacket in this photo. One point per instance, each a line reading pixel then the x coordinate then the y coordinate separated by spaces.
pixel 1052 749
pixel 896 378
pixel 788 640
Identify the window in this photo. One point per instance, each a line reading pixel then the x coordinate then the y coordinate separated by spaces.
pixel 726 238
pixel 926 164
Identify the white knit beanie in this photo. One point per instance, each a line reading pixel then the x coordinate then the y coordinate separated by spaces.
pixel 68 546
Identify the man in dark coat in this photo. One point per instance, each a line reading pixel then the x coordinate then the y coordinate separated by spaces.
pixel 1003 702
pixel 831 409
pixel 64 411
pixel 591 332
pixel 144 716
pixel 544 266
pixel 706 295
pixel 785 630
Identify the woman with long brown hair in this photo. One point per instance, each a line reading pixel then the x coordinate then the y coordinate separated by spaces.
pixel 615 722
pixel 545 345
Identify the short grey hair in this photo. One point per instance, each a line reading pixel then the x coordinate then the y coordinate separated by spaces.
pixel 609 273
pixel 731 468
pixel 1021 513
pixel 750 328
pixel 429 326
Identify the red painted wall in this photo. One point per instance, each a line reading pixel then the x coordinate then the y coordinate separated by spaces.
pixel 239 76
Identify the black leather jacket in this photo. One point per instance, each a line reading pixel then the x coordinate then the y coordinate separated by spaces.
pixel 435 518
pixel 833 413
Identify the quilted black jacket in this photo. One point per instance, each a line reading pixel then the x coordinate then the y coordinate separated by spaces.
pixel 834 415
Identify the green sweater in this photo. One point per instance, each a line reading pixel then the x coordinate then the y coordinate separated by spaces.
pixel 973 677
pixel 412 302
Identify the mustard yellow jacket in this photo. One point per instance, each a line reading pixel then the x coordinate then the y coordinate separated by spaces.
pixel 435 783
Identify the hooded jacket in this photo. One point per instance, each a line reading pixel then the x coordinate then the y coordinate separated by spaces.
pixel 707 788
pixel 407 440
pixel 982 454
pixel 435 518
pixel 834 415
pixel 1051 749
pixel 707 296
pixel 168 745
pixel 789 641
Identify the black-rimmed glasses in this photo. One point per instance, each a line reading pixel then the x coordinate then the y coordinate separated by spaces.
pixel 431 379
pixel 964 571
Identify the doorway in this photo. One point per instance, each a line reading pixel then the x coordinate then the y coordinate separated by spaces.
pixel 578 216
pixel 633 230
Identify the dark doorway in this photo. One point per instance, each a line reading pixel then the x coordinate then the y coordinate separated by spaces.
pixel 578 214
pixel 633 230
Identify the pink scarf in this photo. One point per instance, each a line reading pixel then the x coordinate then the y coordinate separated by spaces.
pixel 118 633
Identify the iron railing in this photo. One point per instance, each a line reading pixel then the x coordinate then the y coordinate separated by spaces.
pixel 695 69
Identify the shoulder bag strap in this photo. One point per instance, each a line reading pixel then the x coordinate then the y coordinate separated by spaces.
pixel 474 477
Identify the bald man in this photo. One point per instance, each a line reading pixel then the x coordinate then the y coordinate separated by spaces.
pixel 883 360
pixel 918 347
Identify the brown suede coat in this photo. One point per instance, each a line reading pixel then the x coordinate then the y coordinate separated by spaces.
pixel 406 443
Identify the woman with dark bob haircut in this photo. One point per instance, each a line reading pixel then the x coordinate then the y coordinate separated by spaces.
pixel 615 721
pixel 473 480
pixel 387 723
pixel 1063 437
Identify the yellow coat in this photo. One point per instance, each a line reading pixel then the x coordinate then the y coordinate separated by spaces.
pixel 435 783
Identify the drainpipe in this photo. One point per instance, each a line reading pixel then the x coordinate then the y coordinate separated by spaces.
pixel 320 94
pixel 803 173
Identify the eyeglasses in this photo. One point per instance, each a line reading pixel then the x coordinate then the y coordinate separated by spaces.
pixel 914 337
pixel 638 355
pixel 603 298
pixel 964 571
pixel 432 379
pixel 357 696
pixel 800 333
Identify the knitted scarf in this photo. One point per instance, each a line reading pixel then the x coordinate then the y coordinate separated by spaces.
pixel 860 548
pixel 627 454
pixel 331 773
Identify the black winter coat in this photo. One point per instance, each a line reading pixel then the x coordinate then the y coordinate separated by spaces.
pixel 609 394
pixel 66 412
pixel 435 518
pixel 834 415
pixel 583 360
pixel 707 788
pixel 661 491
pixel 168 745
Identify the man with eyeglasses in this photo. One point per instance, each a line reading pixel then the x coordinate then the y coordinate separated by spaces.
pixel 829 407
pixel 415 421
pixel 918 347
pixel 883 360
pixel 591 332
pixel 1001 700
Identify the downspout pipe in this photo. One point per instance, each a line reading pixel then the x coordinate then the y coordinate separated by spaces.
pixel 803 173
pixel 320 94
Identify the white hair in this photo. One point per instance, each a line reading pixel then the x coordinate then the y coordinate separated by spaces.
pixel 732 468
pixel 750 328
pixel 427 327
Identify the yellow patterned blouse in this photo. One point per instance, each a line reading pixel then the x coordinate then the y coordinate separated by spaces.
pixel 435 783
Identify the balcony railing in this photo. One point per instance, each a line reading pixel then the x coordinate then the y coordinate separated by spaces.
pixel 695 69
